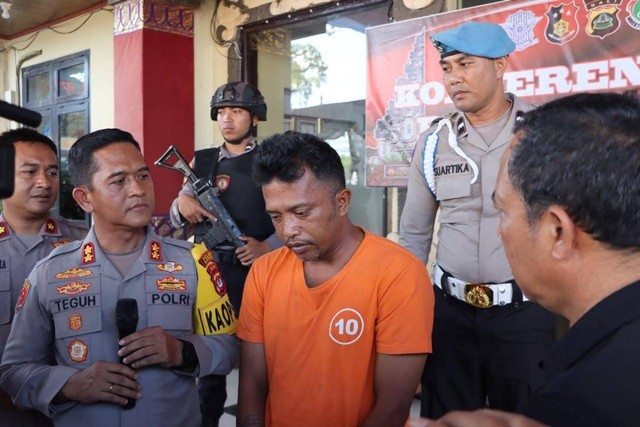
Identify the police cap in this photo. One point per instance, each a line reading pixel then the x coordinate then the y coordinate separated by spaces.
pixel 474 38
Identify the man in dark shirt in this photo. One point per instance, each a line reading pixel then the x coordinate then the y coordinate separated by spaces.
pixel 567 195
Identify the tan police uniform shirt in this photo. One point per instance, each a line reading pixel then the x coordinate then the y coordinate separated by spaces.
pixel 468 243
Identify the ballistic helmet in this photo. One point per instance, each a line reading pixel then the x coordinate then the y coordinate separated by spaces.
pixel 241 95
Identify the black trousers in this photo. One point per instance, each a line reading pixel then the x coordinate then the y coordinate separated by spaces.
pixel 212 389
pixel 484 355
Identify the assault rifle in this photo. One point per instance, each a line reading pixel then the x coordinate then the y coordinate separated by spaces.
pixel 222 230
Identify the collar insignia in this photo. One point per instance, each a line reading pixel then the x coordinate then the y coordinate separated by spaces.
pixel 50 226
pixel 155 251
pixel 4 229
pixel 88 253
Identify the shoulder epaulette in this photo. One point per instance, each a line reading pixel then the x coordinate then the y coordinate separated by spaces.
pixel 177 242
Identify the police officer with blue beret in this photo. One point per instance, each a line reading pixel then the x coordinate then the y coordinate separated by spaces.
pixel 487 337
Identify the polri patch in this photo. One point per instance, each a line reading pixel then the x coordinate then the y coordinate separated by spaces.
pixel 78 351
pixel 22 298
pixel 75 321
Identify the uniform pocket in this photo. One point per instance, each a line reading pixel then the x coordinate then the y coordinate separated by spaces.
pixel 78 336
pixel 171 317
pixel 453 187
pixel 5 292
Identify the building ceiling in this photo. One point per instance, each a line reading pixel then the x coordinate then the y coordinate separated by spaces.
pixel 28 15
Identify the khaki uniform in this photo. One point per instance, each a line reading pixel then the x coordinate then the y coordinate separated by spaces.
pixel 67 314
pixel 16 262
pixel 478 353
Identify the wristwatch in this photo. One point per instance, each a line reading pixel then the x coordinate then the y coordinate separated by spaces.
pixel 189 357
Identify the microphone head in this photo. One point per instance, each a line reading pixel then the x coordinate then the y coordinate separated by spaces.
pixel 127 315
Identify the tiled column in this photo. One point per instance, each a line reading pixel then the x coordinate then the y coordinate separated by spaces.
pixel 154 100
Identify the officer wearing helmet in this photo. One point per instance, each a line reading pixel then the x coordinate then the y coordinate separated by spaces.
pixel 237 107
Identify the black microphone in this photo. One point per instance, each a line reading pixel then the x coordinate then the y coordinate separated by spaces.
pixel 19 114
pixel 127 322
pixel 7 169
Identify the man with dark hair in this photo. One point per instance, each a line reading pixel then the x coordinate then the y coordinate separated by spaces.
pixel 237 107
pixel 570 223
pixel 336 325
pixel 28 233
pixel 487 337
pixel 66 355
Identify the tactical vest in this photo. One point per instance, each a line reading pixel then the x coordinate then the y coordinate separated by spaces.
pixel 237 190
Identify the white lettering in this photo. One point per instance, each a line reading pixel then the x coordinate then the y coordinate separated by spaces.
pixel 551 77
pixel 432 93
pixel 406 96
pixel 520 83
pixel 591 76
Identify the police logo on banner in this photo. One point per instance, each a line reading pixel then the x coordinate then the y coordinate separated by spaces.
pixel 634 14
pixel 603 19
pixel 562 25
pixel 520 26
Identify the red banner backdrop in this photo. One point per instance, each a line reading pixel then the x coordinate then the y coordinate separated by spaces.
pixel 562 47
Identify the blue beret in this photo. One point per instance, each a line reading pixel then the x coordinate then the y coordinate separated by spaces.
pixel 474 38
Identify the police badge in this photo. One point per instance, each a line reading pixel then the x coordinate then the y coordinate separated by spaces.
pixel 562 25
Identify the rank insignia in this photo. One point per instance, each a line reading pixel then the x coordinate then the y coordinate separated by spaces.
pixel 88 253
pixel 77 351
pixel 59 243
pixel 73 273
pixel 222 182
pixel 75 321
pixel 155 251
pixel 206 260
pixel 72 288
pixel 50 226
pixel 23 294
pixel 169 267
pixel 171 284
pixel 4 229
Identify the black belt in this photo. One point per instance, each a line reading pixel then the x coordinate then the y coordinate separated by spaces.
pixel 225 257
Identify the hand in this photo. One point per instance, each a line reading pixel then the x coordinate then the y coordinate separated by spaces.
pixel 151 346
pixel 252 250
pixel 479 418
pixel 102 382
pixel 191 209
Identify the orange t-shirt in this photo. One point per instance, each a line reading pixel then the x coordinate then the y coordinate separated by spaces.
pixel 321 343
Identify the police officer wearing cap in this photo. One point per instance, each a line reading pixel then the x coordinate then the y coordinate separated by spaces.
pixel 28 233
pixel 487 337
pixel 237 107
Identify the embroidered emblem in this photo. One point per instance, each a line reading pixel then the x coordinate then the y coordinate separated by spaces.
pixel 50 227
pixel 75 321
pixel 634 14
pixel 520 28
pixel 88 253
pixel 73 273
pixel 4 229
pixel 603 19
pixel 169 267
pixel 222 182
pixel 171 284
pixel 77 351
pixel 59 243
pixel 73 288
pixel 562 25
pixel 206 260
pixel 23 294
pixel 155 252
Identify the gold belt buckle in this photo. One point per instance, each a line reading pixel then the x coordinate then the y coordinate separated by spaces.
pixel 478 295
